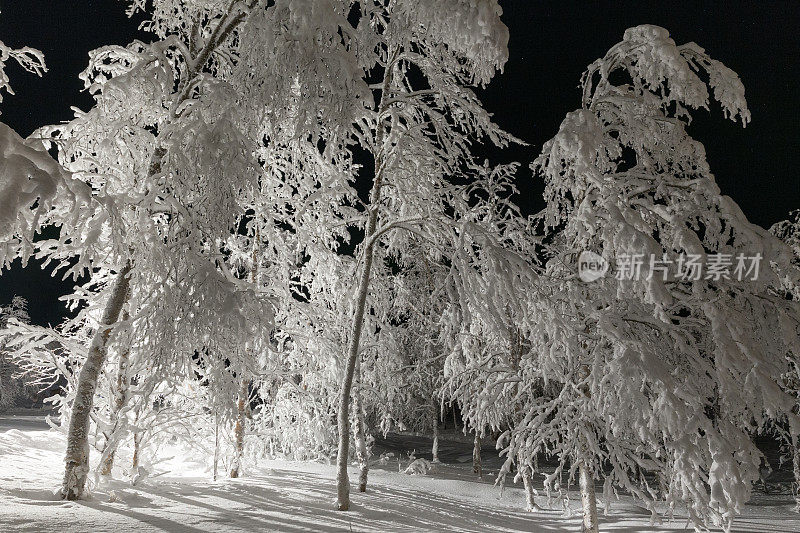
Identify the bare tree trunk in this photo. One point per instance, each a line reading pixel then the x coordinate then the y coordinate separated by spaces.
pixel 244 388
pixel 476 456
pixel 362 454
pixel 530 492
pixel 238 428
pixel 77 455
pixel 137 445
pixel 796 470
pixel 216 446
pixel 342 480
pixel 435 446
pixel 120 399
pixel 589 501
pixel 343 419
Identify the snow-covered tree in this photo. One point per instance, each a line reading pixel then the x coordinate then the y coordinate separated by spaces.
pixel 654 369
pixel 229 90
pixel 160 143
pixel 12 387
pixel 789 232
pixel 404 367
pixel 416 129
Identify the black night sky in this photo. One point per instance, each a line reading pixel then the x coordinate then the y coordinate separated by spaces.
pixel 551 44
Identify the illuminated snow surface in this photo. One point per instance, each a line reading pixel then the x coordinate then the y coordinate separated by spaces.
pixel 293 497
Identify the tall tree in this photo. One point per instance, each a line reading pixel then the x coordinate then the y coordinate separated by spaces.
pixel 789 232
pixel 659 367
pixel 422 58
pixel 156 105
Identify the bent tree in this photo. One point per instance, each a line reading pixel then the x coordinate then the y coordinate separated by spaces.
pixel 122 149
pixel 657 368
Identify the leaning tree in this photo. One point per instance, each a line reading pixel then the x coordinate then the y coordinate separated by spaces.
pixel 658 368
pixel 159 157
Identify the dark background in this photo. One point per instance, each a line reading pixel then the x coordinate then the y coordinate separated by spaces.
pixel 551 44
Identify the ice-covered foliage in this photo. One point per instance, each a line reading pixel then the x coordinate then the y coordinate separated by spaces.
pixel 29 181
pixel 655 374
pixel 162 161
pixel 29 178
pixel 294 422
pixel 789 232
pixel 394 79
pixel 240 279
pixel 322 92
pixel 469 29
pixel 28 58
pixel 405 352
pixel 13 387
pixel 170 154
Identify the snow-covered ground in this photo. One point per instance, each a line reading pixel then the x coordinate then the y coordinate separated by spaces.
pixel 294 497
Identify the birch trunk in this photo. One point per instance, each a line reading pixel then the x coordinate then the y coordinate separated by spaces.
pixel 435 446
pixel 120 400
pixel 77 455
pixel 238 428
pixel 796 471
pixel 530 492
pixel 244 388
pixel 216 446
pixel 362 453
pixel 342 479
pixel 589 501
pixel 476 457
pixel 137 445
pixel 343 419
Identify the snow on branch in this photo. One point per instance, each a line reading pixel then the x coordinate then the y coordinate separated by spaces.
pixel 28 58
